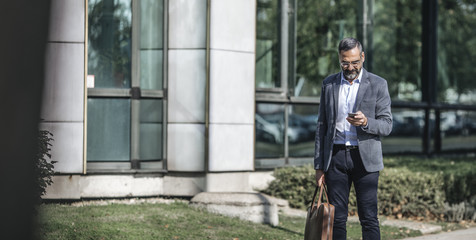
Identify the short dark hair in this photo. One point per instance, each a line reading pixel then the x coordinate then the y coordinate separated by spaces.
pixel 347 44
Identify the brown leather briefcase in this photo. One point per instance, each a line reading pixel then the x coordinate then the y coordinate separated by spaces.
pixel 320 218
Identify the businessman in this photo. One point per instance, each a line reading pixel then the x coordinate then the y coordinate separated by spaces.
pixel 354 113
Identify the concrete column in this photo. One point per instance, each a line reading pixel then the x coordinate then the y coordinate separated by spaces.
pixel 187 85
pixel 63 94
pixel 232 90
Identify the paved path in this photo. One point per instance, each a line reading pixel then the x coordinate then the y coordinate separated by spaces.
pixel 467 234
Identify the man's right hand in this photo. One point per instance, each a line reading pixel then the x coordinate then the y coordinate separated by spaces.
pixel 319 177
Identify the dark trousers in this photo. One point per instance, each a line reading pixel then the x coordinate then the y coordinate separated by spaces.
pixel 346 168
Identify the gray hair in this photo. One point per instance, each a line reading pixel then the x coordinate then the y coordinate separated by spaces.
pixel 347 44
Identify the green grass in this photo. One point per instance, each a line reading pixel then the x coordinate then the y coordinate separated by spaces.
pixel 169 221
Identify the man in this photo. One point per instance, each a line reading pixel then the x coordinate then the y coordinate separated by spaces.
pixel 354 112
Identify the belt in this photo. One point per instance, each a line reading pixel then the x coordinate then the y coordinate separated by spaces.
pixel 345 147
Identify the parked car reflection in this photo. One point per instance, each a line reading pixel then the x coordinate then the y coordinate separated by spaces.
pixel 302 128
pixel 267 131
pixel 270 128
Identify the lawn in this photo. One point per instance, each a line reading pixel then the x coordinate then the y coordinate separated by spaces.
pixel 169 221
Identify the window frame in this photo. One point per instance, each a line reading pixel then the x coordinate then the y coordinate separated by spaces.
pixel 431 107
pixel 135 94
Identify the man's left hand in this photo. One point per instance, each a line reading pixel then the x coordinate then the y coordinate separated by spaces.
pixel 358 120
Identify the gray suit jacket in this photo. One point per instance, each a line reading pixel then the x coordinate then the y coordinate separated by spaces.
pixel 373 100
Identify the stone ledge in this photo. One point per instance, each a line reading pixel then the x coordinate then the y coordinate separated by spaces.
pixel 255 207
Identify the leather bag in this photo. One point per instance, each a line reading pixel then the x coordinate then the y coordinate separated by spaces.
pixel 320 218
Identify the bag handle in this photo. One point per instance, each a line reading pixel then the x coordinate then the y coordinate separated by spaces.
pixel 323 187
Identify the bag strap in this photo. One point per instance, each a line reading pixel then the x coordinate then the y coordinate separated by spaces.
pixel 324 187
pixel 325 192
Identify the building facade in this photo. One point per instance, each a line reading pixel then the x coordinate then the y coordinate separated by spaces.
pixel 176 97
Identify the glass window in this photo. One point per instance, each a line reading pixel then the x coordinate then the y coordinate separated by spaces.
pixel 395 52
pixel 302 120
pixel 458 130
pixel 125 102
pixel 320 27
pixel 456 51
pixel 408 126
pixel 109 43
pixel 151 125
pixel 108 130
pixel 269 123
pixel 267 44
pixel 151 44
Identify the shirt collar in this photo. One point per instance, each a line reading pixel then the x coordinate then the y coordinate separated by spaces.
pixel 357 80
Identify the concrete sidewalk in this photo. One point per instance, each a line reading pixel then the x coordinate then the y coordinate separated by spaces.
pixel 466 234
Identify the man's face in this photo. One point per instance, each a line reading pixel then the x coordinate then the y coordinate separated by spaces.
pixel 351 63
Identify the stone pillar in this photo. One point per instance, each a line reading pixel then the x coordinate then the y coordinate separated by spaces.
pixel 63 94
pixel 231 94
pixel 187 85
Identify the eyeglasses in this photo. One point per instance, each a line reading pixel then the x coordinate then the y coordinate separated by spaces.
pixel 354 64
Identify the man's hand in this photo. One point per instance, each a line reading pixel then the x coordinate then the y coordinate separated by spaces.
pixel 320 177
pixel 359 120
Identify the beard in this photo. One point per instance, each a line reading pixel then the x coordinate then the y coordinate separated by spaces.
pixel 351 74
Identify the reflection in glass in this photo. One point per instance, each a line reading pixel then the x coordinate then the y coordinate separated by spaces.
pixel 456 52
pixel 302 120
pixel 150 129
pixel 151 44
pixel 108 133
pixel 396 48
pixel 109 42
pixel 407 131
pixel 269 122
pixel 267 44
pixel 320 27
pixel 458 130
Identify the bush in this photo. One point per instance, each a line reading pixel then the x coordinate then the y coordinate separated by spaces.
pixel 460 186
pixel 462 211
pixel 43 169
pixel 295 184
pixel 459 173
pixel 402 193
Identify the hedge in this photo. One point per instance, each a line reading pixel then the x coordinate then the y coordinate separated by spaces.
pixel 409 187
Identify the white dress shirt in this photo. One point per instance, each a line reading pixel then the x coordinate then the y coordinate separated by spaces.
pixel 346 133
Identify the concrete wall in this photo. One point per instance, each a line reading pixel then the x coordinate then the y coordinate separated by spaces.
pixel 187 85
pixel 230 163
pixel 147 185
pixel 232 85
pixel 63 101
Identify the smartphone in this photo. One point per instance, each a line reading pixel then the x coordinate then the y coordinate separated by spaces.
pixel 351 115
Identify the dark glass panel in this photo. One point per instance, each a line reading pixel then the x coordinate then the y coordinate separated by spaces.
pixel 109 122
pixel 456 51
pixel 407 132
pixel 267 44
pixel 302 120
pixel 109 42
pixel 395 52
pixel 320 27
pixel 269 123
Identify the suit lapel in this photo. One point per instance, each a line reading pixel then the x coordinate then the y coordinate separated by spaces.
pixel 335 87
pixel 364 85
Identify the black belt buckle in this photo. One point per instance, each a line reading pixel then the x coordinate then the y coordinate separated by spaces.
pixel 345 147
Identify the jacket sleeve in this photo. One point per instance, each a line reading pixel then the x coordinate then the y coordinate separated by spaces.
pixel 321 130
pixel 382 123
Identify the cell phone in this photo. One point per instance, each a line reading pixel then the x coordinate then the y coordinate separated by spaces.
pixel 352 115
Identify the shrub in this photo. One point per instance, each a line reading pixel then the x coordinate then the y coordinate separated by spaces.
pixel 295 184
pixel 459 173
pixel 402 193
pixel 462 211
pixel 43 169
